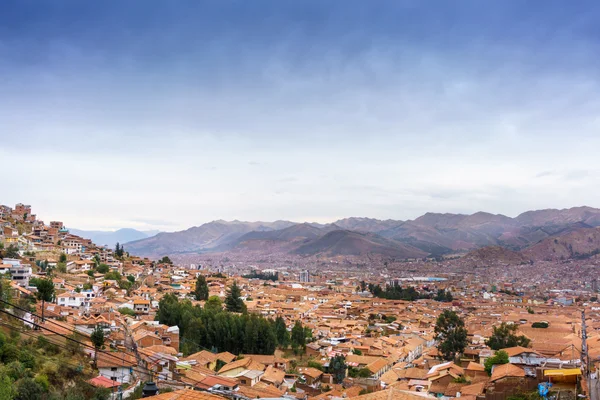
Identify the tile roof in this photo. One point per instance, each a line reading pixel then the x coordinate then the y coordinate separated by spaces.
pixel 186 394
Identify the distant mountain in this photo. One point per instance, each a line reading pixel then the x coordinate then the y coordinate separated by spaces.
pixel 111 238
pixel 366 224
pixel 199 238
pixel 351 243
pixel 431 234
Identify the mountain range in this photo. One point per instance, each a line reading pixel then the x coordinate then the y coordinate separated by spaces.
pixel 111 238
pixel 432 234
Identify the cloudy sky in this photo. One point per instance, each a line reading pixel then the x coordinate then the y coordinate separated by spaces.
pixel 167 114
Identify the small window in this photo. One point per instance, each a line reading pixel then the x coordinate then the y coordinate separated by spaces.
pixel 113 368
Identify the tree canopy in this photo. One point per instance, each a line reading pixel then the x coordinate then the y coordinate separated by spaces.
pixel 451 334
pixel 233 300
pixel 215 329
pixel 504 335
pixel 165 260
pixel 337 368
pixel 501 357
pixel 201 290
pixel 298 338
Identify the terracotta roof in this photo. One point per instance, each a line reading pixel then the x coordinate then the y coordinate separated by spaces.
pixel 102 381
pixel 473 389
pixel 515 351
pixel 473 366
pixel 390 394
pixel 506 370
pixel 187 395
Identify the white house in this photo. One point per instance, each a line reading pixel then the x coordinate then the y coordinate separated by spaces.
pixel 72 300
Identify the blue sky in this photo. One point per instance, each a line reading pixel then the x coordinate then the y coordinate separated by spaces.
pixel 167 114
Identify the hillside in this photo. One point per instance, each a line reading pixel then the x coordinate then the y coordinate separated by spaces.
pixel 350 243
pixel 275 240
pixel 578 243
pixel 492 255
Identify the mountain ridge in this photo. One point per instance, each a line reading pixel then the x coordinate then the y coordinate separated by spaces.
pixel 432 234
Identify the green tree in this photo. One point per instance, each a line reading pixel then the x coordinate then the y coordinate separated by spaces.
pixel 62 258
pixel 7 389
pixel 29 389
pixel 201 290
pixel 298 337
pixel 213 304
pixel 451 334
pixel 5 291
pixel 12 252
pixel 103 268
pixel 126 311
pixel 165 260
pixel 504 336
pixel 119 251
pixel 501 357
pixel 283 336
pixel 337 368
pixel 131 278
pixel 61 267
pixel 233 301
pixel 45 292
pixel 97 338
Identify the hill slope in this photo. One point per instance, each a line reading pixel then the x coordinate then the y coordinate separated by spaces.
pixel 350 243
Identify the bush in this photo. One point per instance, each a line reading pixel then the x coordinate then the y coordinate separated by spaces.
pixel 539 325
pixel 316 365
pixel 126 311
pixel 501 357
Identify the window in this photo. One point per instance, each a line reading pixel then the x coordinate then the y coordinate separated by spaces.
pixel 113 368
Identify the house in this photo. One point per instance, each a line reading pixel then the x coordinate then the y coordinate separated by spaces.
pixel 379 367
pixel 249 377
pixel 273 376
pixel 118 367
pixel 19 273
pixel 524 356
pixel 237 367
pixel 507 372
pixel 312 376
pixel 146 339
pixel 74 300
pixel 141 306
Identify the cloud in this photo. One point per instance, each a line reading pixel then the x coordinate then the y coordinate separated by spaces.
pixel 545 174
pixel 387 109
pixel 153 222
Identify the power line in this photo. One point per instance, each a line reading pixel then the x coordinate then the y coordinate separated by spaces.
pixel 137 369
pixel 60 326
pixel 149 371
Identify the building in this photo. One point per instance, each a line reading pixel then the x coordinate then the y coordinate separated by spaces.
pixel 20 273
pixel 594 285
pixel 304 276
pixel 56 224
pixel 72 300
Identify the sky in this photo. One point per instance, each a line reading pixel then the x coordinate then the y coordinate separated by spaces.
pixel 168 114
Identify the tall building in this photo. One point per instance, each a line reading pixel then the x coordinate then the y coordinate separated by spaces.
pixel 304 276
pixel 594 285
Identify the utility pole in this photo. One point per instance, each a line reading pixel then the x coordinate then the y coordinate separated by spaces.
pixel 585 358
